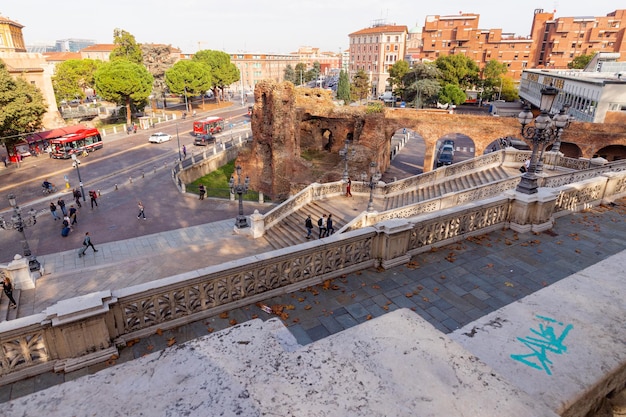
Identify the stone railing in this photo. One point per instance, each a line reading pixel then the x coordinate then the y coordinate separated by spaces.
pixel 84 330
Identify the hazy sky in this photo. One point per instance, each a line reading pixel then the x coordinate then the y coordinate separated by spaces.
pixel 279 26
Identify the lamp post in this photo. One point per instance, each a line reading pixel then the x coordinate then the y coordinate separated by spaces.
pixel 375 176
pixel 546 129
pixel 180 158
pixel 345 155
pixel 240 189
pixel 18 223
pixel 75 164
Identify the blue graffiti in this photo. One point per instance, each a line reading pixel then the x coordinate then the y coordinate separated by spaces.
pixel 543 341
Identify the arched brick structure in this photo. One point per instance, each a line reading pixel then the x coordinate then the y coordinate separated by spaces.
pixel 287 120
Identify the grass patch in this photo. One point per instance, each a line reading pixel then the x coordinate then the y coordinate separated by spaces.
pixel 216 184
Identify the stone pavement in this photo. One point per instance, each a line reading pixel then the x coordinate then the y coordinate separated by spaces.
pixel 449 287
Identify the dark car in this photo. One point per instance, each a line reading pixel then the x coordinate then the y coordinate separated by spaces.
pixel 445 158
pixel 203 140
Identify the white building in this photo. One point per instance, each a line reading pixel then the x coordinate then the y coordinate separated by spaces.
pixel 592 93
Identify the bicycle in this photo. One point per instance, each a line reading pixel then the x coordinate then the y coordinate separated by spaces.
pixel 49 190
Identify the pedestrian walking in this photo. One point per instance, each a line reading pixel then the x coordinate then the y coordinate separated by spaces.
pixel 308 224
pixel 53 210
pixel 77 195
pixel 86 243
pixel 93 196
pixel 61 204
pixel 201 191
pixel 141 212
pixel 184 152
pixel 7 287
pixel 348 187
pixel 329 225
pixel 322 225
pixel 73 212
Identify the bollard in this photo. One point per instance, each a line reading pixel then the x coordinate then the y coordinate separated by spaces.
pixel 143 174
pixel 154 166
pixel 99 193
pixel 130 179
pixel 115 187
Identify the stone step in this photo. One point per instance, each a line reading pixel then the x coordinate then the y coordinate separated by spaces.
pixel 7 313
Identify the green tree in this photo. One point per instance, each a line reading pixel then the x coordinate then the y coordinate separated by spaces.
pixel 71 78
pixel 458 70
pixel 580 62
pixel 343 87
pixel 221 71
pixel 189 78
pixel 314 72
pixel 509 92
pixel 289 74
pixel 360 87
pixel 21 108
pixel 424 91
pixel 451 94
pixel 125 83
pixel 492 78
pixel 300 73
pixel 157 59
pixel 396 76
pixel 126 47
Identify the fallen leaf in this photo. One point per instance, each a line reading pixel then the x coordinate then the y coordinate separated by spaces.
pixel 232 322
pixel 307 307
pixel 224 315
pixel 509 284
pixel 149 347
pixel 159 332
pixel 171 341
pixel 368 317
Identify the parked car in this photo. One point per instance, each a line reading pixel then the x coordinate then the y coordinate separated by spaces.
pixel 447 148
pixel 445 158
pixel 204 140
pixel 159 137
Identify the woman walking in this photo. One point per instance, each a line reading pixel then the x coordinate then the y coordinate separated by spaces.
pixel 141 212
pixel 7 287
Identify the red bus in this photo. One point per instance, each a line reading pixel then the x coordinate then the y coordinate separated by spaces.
pixel 211 124
pixel 83 140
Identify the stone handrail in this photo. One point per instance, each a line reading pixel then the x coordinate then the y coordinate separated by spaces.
pixel 84 330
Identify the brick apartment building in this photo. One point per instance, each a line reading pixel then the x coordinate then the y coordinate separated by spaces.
pixel 552 43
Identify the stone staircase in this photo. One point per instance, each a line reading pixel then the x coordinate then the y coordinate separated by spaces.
pixel 290 231
pixel 7 313
pixel 447 186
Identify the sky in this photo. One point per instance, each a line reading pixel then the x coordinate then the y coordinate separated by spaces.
pixel 277 26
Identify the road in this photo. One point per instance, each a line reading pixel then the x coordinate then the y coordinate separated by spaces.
pixel 140 170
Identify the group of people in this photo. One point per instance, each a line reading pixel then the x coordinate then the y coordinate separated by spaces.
pixel 325 224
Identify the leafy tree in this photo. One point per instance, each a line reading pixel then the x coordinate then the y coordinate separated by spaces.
pixel 424 91
pixel 421 83
pixel 580 62
pixel 458 70
pixel 290 74
pixel 71 78
pixel 509 92
pixel 360 87
pixel 396 75
pixel 22 107
pixel 300 73
pixel 189 78
pixel 314 72
pixel 157 59
pixel 343 87
pixel 124 82
pixel 126 47
pixel 221 71
pixel 492 78
pixel 451 93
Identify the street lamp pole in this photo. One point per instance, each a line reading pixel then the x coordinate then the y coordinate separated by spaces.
pixel 546 129
pixel 18 223
pixel 239 189
pixel 345 155
pixel 375 176
pixel 180 158
pixel 75 164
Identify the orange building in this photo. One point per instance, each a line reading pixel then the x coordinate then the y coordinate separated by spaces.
pixel 374 50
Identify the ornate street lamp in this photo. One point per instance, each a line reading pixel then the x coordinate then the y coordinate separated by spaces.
pixel 345 155
pixel 545 130
pixel 375 176
pixel 18 223
pixel 240 189
pixel 75 164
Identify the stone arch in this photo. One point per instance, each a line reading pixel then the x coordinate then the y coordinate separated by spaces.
pixel 612 152
pixel 327 138
pixel 568 149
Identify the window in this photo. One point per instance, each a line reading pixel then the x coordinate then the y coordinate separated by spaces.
pixel 397 38
pixel 395 48
pixel 388 38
